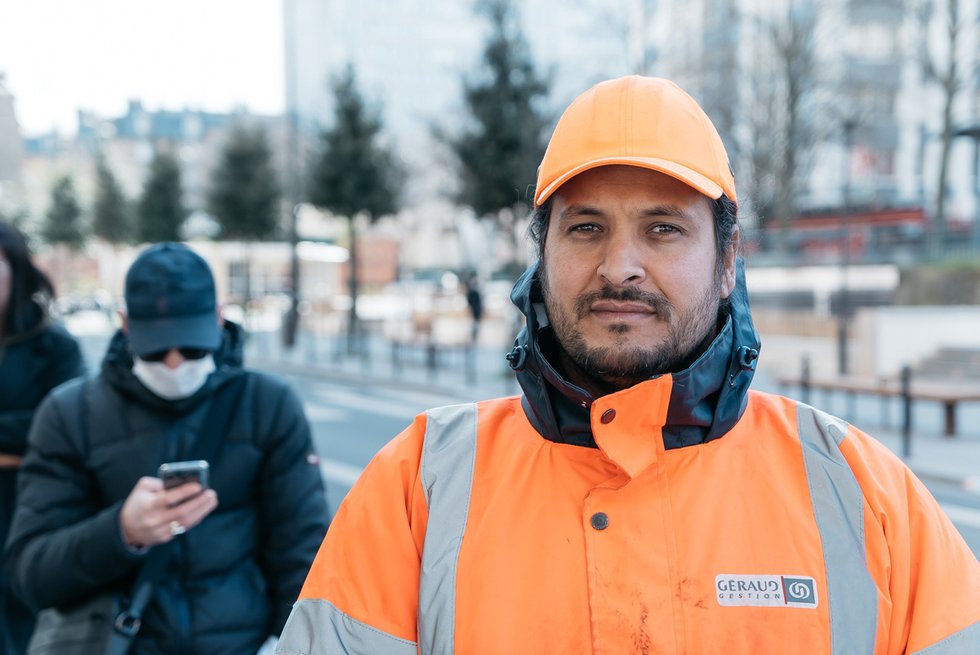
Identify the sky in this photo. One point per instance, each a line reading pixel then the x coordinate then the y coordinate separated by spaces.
pixel 215 55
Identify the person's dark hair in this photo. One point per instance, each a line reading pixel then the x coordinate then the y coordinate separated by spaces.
pixel 30 288
pixel 724 209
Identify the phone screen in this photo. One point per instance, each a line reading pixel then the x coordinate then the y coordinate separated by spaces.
pixel 175 474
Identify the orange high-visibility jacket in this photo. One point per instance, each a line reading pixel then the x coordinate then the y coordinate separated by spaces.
pixel 475 531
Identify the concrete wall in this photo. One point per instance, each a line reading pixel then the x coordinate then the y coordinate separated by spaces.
pixel 793 323
pixel 887 338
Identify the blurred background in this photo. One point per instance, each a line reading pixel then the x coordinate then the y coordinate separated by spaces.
pixel 346 165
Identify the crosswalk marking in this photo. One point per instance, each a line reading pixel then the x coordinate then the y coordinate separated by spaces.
pixel 339 472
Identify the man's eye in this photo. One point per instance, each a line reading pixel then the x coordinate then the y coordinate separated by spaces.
pixel 584 227
pixel 663 228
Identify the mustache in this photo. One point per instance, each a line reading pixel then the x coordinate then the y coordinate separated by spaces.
pixel 655 301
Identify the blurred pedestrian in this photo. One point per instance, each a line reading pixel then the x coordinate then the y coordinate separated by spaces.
pixel 474 300
pixel 36 355
pixel 92 515
pixel 637 498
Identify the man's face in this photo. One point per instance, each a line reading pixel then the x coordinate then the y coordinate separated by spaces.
pixel 629 273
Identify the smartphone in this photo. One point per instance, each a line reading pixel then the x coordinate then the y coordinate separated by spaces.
pixel 175 474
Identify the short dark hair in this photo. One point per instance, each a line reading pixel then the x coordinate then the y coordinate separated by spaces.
pixel 724 209
pixel 30 288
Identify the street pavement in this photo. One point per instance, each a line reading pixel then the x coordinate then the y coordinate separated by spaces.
pixel 357 403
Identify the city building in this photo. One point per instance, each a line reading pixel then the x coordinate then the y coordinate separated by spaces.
pixel 10 140
pixel 865 131
pixel 11 150
pixel 128 143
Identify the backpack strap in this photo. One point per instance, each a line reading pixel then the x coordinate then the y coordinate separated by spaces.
pixel 128 621
pixel 224 405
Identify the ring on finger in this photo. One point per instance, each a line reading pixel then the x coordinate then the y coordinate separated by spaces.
pixel 176 528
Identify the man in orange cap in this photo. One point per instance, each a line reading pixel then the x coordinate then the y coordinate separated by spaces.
pixel 637 498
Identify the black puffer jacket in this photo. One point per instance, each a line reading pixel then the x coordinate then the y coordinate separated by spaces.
pixel 32 364
pixel 233 578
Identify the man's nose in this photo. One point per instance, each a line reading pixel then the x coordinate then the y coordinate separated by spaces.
pixel 173 358
pixel 622 263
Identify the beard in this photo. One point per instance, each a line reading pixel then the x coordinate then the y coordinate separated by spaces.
pixel 627 362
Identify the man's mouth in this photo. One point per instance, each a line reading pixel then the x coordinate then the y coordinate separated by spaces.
pixel 613 310
pixel 624 305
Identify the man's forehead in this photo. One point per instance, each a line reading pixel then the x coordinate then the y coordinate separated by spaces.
pixel 594 191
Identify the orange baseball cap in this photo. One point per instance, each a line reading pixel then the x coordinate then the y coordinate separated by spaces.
pixel 637 121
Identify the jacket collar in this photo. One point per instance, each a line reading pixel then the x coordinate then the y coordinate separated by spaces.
pixel 701 403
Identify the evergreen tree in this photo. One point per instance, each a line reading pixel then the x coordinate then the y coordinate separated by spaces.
pixel 354 174
pixel 244 190
pixel 62 224
pixel 161 208
pixel 498 151
pixel 110 211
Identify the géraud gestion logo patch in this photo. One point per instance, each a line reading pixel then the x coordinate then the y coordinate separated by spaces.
pixel 766 590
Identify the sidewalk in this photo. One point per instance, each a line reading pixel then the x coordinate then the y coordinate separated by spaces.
pixel 951 461
pixel 489 377
pixel 934 458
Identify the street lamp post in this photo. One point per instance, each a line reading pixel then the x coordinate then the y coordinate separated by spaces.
pixel 292 176
pixel 843 305
pixel 973 132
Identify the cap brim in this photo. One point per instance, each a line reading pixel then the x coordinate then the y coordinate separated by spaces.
pixel 689 177
pixel 155 335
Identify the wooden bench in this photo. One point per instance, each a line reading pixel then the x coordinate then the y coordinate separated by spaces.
pixel 948 394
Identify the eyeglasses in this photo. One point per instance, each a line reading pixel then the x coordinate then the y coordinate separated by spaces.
pixel 186 353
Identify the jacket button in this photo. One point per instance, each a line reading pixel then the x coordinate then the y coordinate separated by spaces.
pixel 608 416
pixel 600 521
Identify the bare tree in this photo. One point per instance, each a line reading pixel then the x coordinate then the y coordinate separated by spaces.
pixel 757 147
pixel 945 70
pixel 629 23
pixel 793 38
pixel 721 74
pixel 777 126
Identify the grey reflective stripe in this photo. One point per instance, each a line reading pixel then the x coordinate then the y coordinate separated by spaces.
pixel 448 456
pixel 964 642
pixel 838 505
pixel 316 627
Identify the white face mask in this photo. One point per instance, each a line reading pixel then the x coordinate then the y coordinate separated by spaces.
pixel 177 383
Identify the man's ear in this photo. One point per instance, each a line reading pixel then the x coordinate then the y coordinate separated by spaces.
pixel 124 321
pixel 731 255
pixel 221 316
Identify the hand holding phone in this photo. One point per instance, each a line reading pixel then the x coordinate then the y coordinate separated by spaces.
pixel 160 508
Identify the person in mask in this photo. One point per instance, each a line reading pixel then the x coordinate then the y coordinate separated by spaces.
pixel 637 497
pixel 91 510
pixel 36 355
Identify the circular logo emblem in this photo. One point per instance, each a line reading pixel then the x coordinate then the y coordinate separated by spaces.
pixel 799 591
